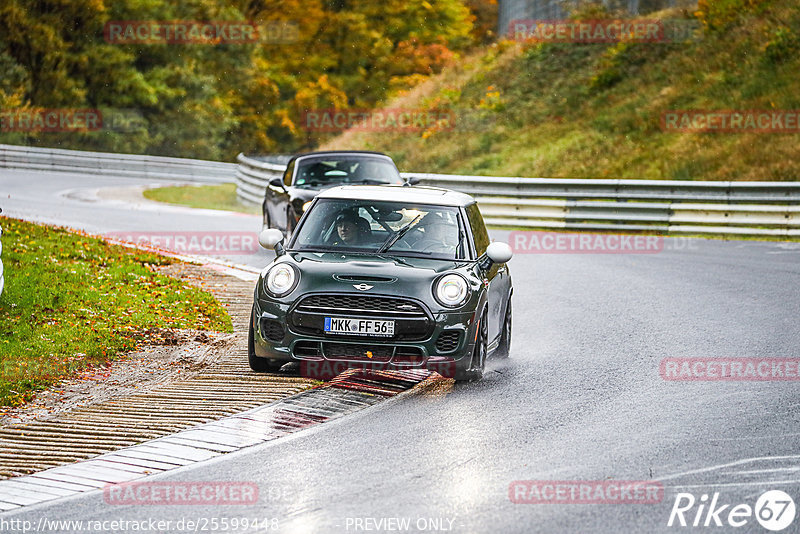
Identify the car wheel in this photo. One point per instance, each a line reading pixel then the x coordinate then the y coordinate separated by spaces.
pixel 504 348
pixel 257 364
pixel 478 362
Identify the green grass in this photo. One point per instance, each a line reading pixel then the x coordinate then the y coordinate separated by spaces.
pixel 213 197
pixel 594 110
pixel 72 301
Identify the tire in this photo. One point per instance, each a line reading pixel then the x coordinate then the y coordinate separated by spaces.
pixel 478 361
pixel 257 364
pixel 504 348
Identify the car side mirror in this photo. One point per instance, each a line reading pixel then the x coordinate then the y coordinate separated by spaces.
pixel 272 238
pixel 497 252
pixel 414 180
pixel 277 182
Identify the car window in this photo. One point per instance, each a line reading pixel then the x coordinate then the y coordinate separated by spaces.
pixel 316 172
pixel 479 233
pixel 380 227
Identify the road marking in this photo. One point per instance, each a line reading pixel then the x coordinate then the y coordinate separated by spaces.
pixel 731 464
pixel 761 471
pixel 737 484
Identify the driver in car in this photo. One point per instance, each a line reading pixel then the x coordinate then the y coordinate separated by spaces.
pixel 438 236
pixel 351 229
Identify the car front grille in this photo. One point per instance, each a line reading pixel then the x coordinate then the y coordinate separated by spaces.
pixel 307 349
pixel 412 321
pixel 352 351
pixel 360 352
pixel 408 355
pixel 361 304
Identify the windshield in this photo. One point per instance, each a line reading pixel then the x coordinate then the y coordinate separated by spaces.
pixel 381 227
pixel 316 172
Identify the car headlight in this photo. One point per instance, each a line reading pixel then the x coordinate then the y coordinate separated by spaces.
pixel 451 290
pixel 307 204
pixel 281 279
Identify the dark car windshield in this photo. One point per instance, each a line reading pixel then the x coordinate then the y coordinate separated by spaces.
pixel 321 171
pixel 382 227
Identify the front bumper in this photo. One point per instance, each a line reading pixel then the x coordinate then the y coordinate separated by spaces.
pixel 446 347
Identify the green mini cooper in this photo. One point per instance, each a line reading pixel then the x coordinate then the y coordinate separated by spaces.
pixel 384 277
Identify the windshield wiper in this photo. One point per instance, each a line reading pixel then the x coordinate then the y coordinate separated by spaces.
pixel 392 239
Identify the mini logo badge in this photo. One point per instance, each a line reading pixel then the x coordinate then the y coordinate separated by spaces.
pixel 362 287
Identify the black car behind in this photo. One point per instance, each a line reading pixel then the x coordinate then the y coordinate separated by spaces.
pixel 306 175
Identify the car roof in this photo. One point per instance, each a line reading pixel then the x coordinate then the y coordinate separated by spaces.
pixel 415 194
pixel 324 153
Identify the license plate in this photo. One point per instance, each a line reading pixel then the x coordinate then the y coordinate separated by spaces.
pixel 358 327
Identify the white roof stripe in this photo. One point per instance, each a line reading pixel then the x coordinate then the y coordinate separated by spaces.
pixel 414 194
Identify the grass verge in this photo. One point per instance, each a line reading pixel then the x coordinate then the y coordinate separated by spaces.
pixel 72 301
pixel 213 197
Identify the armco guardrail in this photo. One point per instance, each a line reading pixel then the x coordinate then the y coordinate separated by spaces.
pixel 668 206
pixel 253 175
pixel 123 165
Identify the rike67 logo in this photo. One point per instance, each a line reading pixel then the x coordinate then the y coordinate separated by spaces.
pixel 774 510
